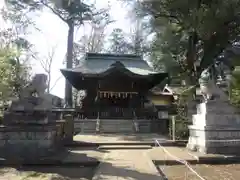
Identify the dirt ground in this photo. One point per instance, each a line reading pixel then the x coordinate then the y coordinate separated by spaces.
pixel 47 173
pixel 208 172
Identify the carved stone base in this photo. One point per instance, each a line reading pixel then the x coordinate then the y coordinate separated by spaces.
pixel 213 140
pixel 28 117
pixel 30 104
pixel 215 129
pixel 29 143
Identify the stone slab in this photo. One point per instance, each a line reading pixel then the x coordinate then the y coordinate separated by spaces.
pixel 215 106
pixel 32 117
pixel 214 128
pixel 216 119
pixel 212 134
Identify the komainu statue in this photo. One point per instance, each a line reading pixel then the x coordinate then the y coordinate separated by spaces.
pixel 206 83
pixel 36 87
pixel 33 95
pixel 209 88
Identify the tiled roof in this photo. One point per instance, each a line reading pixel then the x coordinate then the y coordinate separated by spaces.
pixel 96 63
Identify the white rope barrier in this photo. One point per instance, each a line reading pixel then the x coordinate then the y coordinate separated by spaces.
pixel 179 160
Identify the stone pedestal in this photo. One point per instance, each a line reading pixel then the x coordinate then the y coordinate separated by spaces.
pixel 30 132
pixel 24 143
pixel 29 117
pixel 215 129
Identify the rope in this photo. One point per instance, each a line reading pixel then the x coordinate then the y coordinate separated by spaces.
pixel 179 160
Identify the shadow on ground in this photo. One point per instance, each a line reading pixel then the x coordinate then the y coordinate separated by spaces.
pixel 75 171
pixel 124 172
pixel 72 173
pixel 83 173
pixel 66 165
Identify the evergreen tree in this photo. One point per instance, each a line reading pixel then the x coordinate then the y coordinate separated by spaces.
pixel 118 42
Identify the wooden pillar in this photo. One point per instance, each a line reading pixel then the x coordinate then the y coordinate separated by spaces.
pixel 141 99
pixel 68 129
pixel 173 128
pixel 98 110
pixel 97 97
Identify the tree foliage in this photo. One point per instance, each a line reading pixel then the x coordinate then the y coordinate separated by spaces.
pixel 14 75
pixel 168 49
pixel 14 56
pixel 67 10
pixel 118 42
pixel 235 88
pixel 140 28
pixel 204 28
pixel 93 37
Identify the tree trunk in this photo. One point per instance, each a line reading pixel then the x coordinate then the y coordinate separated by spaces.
pixel 191 59
pixel 68 86
pixel 192 56
pixel 18 69
pixel 49 82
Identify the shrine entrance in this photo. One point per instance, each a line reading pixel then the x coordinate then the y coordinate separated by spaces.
pixel 117 104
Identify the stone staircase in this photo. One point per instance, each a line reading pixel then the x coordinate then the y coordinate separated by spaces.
pixel 85 126
pixel 144 126
pixel 112 126
pixel 116 126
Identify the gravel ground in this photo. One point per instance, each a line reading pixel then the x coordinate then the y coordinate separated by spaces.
pixel 47 173
pixel 208 172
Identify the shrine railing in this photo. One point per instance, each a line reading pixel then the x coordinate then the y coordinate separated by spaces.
pixel 111 113
pixel 126 113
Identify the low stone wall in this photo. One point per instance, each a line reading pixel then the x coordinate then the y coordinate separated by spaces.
pixel 30 142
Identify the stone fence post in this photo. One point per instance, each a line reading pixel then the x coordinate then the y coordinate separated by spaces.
pixel 69 128
pixel 173 128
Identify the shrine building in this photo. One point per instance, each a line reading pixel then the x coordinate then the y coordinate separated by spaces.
pixel 116 90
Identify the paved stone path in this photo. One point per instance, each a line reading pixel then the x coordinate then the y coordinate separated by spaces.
pixel 117 138
pixel 126 165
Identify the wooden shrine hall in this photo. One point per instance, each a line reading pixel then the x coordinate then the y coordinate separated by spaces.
pixel 115 86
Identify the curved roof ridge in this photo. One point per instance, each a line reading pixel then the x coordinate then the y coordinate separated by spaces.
pixel 107 56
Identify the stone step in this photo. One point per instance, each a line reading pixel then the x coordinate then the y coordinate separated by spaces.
pixel 149 142
pixel 116 126
pixel 116 123
pixel 112 126
pixel 106 147
pixel 105 130
pixel 85 127
pixel 144 127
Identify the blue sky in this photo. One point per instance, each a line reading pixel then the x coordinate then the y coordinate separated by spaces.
pixel 54 34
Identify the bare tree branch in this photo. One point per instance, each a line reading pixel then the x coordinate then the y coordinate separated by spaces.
pixel 55 83
pixel 54 11
pixel 46 63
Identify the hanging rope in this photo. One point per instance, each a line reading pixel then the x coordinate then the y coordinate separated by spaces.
pixel 178 160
